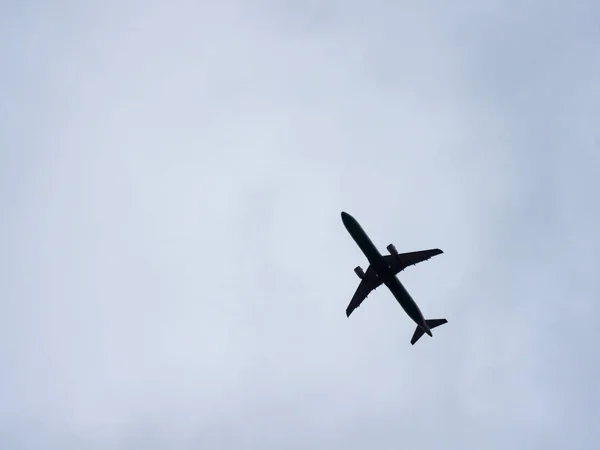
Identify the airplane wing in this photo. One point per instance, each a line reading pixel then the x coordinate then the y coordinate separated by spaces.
pixel 369 283
pixel 401 261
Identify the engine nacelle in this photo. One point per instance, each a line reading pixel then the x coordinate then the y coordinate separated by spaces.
pixel 359 272
pixel 392 250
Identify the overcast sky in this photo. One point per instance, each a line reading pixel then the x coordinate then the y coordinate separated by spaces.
pixel 174 269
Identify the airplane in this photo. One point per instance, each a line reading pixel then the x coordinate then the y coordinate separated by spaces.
pixel 383 269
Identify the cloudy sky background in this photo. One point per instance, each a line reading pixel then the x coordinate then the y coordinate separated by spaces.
pixel 174 270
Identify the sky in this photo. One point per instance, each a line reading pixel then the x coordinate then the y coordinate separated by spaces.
pixel 174 269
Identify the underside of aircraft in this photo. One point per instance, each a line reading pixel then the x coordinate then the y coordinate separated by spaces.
pixel 396 261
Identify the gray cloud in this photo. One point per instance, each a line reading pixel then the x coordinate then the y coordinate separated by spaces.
pixel 175 269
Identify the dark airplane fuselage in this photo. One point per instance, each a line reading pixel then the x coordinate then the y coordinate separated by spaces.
pixel 383 270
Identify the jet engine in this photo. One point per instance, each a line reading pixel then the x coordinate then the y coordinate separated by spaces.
pixel 359 272
pixel 392 250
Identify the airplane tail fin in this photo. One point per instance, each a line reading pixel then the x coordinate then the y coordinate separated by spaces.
pixel 431 323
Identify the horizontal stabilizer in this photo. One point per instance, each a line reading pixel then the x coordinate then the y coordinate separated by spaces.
pixel 431 323
pixel 418 333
